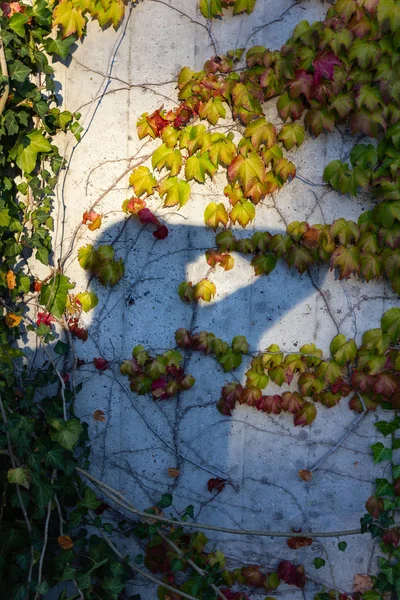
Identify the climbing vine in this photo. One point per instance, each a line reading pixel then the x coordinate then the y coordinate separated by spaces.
pixel 54 527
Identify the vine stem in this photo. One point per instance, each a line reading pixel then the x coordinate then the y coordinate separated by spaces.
pixel 96 202
pixel 20 500
pixel 140 571
pixel 4 72
pixel 119 499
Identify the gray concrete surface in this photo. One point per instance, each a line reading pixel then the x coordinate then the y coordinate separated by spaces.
pixel 113 78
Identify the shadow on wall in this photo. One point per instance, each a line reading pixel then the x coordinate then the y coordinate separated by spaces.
pixel 150 310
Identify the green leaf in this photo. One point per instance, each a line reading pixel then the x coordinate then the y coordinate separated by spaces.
pixel 19 476
pixel 89 499
pixel 88 300
pixel 198 166
pixel 61 348
pixel 390 323
pixel 18 71
pixel 17 22
pixel 318 562
pixel 291 134
pixel 343 350
pixel 29 149
pixel 54 295
pixel 384 488
pixel 67 434
pixel 211 8
pixel 60 47
pixel 165 502
pixel 241 6
pixel 342 546
pixel 42 494
pixel 42 255
pixel 381 453
pixel 388 427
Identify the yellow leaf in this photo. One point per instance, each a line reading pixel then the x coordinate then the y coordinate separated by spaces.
pixel 12 320
pixel 205 290
pixel 10 279
pixel 215 214
pixel 109 12
pixel 70 19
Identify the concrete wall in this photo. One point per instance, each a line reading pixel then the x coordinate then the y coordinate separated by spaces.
pixel 113 78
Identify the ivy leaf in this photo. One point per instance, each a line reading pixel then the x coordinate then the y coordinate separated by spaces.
pixel 18 71
pixel 215 214
pixel 86 257
pixel 54 295
pixel 306 414
pixel 222 150
pixel 211 8
pixel 212 110
pixel 29 148
pixel 320 120
pixel 109 12
pixel 198 166
pixel 142 181
pixel 389 11
pixel 242 6
pixel 291 134
pixel 17 23
pixel 390 323
pixel 347 260
pixel 69 18
pixel 176 191
pixel 369 97
pixel 19 476
pixel 67 434
pixel 264 263
pixel 87 300
pixel 204 290
pixel 261 133
pixel 243 212
pixel 381 453
pixel 167 157
pixel 246 170
pixel 343 350
pixel 345 231
pixel 60 47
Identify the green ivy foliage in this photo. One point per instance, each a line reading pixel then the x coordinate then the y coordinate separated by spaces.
pixel 342 70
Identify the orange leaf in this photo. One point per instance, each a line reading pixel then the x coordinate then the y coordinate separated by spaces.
pixel 299 542
pixel 305 475
pixel 92 219
pixel 10 279
pixel 173 472
pixel 99 415
pixel 12 320
pixel 362 583
pixel 65 542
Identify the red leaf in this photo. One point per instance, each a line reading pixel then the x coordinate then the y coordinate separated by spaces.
pixel 391 536
pixel 299 542
pixel 324 66
pixel 291 574
pixel 45 318
pixel 270 404
pixel 101 364
pixel 217 484
pixel 161 232
pixel 146 216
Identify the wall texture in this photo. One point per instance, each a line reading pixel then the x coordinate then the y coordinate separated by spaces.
pixel 114 77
